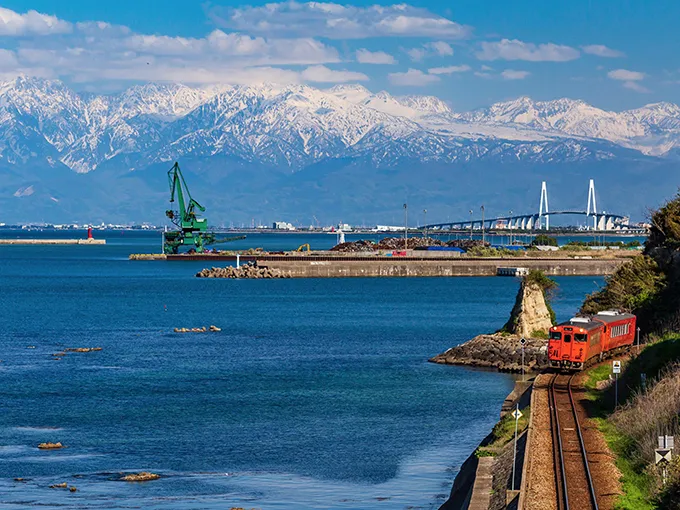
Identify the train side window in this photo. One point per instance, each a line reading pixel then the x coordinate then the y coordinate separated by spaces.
pixel 605 328
pixel 555 335
pixel 580 337
pixel 567 338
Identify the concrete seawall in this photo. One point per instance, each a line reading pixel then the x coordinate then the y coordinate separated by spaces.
pixel 452 267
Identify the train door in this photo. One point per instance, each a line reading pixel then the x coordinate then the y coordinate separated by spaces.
pixel 555 345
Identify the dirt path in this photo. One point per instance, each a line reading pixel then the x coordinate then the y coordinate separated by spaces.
pixel 540 470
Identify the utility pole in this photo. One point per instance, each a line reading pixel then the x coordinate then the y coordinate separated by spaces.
pixel 405 226
pixel 638 340
pixel 470 224
pixel 482 208
pixel 425 222
pixel 510 225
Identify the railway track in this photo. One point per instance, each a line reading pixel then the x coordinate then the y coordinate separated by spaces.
pixel 573 481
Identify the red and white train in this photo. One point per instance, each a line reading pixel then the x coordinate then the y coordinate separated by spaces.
pixel 583 340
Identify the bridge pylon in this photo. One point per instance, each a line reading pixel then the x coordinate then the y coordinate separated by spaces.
pixel 541 210
pixel 592 200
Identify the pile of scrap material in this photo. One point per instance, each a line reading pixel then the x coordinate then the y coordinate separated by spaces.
pixel 398 243
pixel 386 244
pixel 466 244
pixel 251 270
pixel 354 247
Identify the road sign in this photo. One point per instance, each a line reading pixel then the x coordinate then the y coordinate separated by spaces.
pixel 666 442
pixel 517 414
pixel 662 456
pixel 616 367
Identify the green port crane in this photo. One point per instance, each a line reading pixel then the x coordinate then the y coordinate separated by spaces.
pixel 193 231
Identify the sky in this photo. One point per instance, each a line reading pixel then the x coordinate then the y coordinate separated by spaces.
pixel 612 54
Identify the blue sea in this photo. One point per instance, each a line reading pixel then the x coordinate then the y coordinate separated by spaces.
pixel 316 393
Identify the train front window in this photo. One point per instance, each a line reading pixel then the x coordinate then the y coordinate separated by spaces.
pixel 555 335
pixel 580 337
pixel 567 338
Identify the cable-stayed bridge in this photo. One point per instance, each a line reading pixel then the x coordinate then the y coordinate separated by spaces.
pixel 539 220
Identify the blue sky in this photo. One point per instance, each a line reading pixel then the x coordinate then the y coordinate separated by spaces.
pixel 612 54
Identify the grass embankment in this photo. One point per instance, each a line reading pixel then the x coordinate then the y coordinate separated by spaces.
pixel 649 406
pixel 504 432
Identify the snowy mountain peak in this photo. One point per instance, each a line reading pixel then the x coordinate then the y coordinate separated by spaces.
pixel 297 125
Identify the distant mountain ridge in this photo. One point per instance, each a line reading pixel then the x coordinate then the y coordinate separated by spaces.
pixel 295 125
pixel 270 131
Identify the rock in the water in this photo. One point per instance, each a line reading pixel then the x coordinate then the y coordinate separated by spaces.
pixel 144 476
pixel 50 446
pixel 250 270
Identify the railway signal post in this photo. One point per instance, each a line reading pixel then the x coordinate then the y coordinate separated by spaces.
pixel 664 454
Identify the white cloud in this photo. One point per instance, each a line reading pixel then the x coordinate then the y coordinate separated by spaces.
pixel 322 74
pixel 337 21
pixel 633 85
pixel 507 49
pixel 31 23
pixel 511 74
pixel 441 48
pixel 412 78
pixel 630 79
pixel 416 54
pixel 449 69
pixel 374 57
pixel 602 51
pixel 256 50
pixel 625 75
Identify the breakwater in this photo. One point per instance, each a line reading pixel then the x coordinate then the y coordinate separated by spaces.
pixel 310 267
pixel 52 241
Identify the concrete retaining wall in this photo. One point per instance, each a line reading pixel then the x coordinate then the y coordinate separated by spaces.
pixel 453 267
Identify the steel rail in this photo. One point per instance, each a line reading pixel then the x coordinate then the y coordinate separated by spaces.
pixel 558 453
pixel 591 486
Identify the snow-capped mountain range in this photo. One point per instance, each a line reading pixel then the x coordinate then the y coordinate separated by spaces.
pixel 299 125
pixel 295 150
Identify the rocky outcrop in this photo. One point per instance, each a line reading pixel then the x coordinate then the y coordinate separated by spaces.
pixel 530 319
pixel 245 271
pixel 144 476
pixel 211 329
pixel 50 446
pixel 530 316
pixel 499 351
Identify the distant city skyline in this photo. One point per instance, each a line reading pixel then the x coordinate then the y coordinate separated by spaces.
pixel 611 55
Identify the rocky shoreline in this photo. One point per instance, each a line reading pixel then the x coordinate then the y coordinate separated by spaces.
pixel 530 320
pixel 500 351
pixel 250 270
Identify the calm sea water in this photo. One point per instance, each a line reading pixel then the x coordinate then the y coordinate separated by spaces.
pixel 315 394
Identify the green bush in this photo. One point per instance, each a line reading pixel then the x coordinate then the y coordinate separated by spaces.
pixel 633 287
pixel 544 240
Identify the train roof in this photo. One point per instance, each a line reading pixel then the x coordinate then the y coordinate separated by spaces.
pixel 595 321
